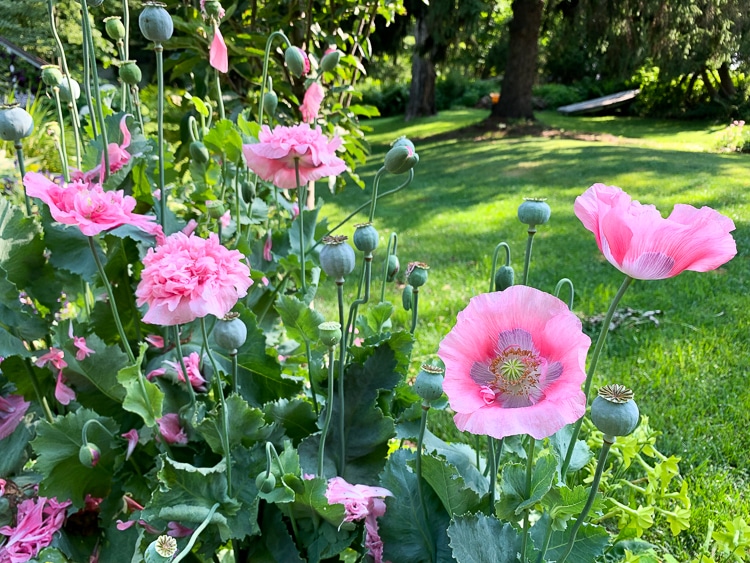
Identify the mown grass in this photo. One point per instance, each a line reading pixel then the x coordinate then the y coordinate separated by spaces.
pixel 690 372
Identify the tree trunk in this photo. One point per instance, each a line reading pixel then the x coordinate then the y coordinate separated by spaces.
pixel 422 90
pixel 710 88
pixel 725 80
pixel 691 85
pixel 520 71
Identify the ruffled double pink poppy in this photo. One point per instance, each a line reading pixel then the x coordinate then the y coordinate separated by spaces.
pixel 514 364
pixel 639 242
pixel 88 206
pixel 274 156
pixel 37 522
pixel 188 277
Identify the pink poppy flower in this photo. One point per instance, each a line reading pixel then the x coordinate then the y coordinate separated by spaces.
pixel 311 103
pixel 639 242
pixel 87 205
pixel 55 356
pixel 37 522
pixel 155 340
pixel 361 501
pixel 170 429
pixel 189 277
pixel 118 158
pixel 83 350
pixel 63 393
pixel 192 365
pixel 12 410
pixel 217 53
pixel 132 437
pixel 177 530
pixel 514 364
pixel 273 156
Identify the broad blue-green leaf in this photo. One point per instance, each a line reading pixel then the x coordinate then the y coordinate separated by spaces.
pixel 224 138
pixel 514 499
pixel 11 346
pixel 22 320
pixel 100 368
pixel 295 416
pixel 300 321
pixel 276 544
pixel 581 452
pixel 448 484
pixel 21 246
pixel 57 445
pixel 312 503
pixel 69 248
pixel 589 544
pixel 13 448
pixel 410 533
pixel 310 221
pixel 564 502
pixel 477 538
pixel 141 396
pixel 246 425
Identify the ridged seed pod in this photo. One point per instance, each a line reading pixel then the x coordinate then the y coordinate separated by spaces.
pixel 155 22
pixel 534 212
pixel 365 237
pixel 614 411
pixel 15 123
pixel 429 383
pixel 130 73
pixel 337 258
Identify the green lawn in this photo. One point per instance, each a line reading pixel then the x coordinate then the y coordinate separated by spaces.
pixel 689 373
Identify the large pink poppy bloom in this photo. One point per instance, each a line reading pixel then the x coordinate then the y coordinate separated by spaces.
pixel 12 410
pixel 188 277
pixel 311 103
pixel 514 364
pixel 87 205
pixel 639 242
pixel 273 156
pixel 37 522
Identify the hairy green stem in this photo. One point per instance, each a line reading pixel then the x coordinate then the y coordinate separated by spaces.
pixel 301 200
pixel 313 391
pixel 505 246
pixel 84 430
pixel 529 474
pixel 22 171
pixel 186 550
pixel 392 244
pixel 160 130
pixel 329 412
pixel 264 79
pixel 527 257
pixel 342 361
pixel 559 286
pixel 414 309
pixel 375 186
pixel 592 366
pixel 492 462
pixel 219 97
pixel 89 38
pixel 63 142
pixel 367 274
pixel 418 466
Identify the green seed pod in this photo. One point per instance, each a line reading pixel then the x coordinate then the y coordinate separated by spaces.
pixel 230 332
pixel 270 102
pixel 155 22
pixel 213 8
pixel 330 60
pixel 365 237
pixel 15 123
pixel 534 212
pixel 429 383
pixel 504 277
pixel 614 412
pixel 130 73
pixel 393 268
pixel 161 550
pixel 52 75
pixel 400 159
pixel 265 482
pixel 407 297
pixel 337 258
pixel 296 61
pixel 215 208
pixel 69 94
pixel 416 273
pixel 330 333
pixel 199 153
pixel 89 454
pixel 114 28
pixel 248 191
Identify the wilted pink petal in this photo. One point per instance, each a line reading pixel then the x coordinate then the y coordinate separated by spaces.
pixel 190 277
pixel 155 340
pixel 311 103
pixel 37 522
pixel 122 526
pixel 170 429
pixel 639 242
pixel 83 350
pixel 63 393
pixel 189 229
pixel 217 53
pixel 273 157
pixel 192 365
pixel 264 281
pixel 226 219
pixel 92 503
pixel 295 210
pixel 132 437
pixel 514 364
pixel 12 410
pixel 177 530
pixel 158 372
pixel 267 256
pixel 131 504
pixel 55 356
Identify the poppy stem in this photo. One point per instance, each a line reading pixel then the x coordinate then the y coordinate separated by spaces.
pixel 492 462
pixel 392 244
pixel 159 49
pixel 505 246
pixel 529 474
pixel 181 361
pixel 22 171
pixel 342 361
pixel 329 411
pixel 527 258
pixel 592 366
pixel 63 144
pixel 418 467
pixel 300 202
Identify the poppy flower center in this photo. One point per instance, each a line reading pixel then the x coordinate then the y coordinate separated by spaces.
pixel 516 371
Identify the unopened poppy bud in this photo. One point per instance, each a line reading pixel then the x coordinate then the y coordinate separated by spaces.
pixel 296 60
pixel 130 73
pixel 534 212
pixel 248 191
pixel 614 412
pixel 15 123
pixel 407 297
pixel 270 102
pixel 416 274
pixel 213 8
pixel 215 208
pixel 69 92
pixel 337 258
pixel 365 237
pixel 400 159
pixel 230 332
pixel 89 454
pixel 155 22
pixel 330 60
pixel 393 267
pixel 161 550
pixel 199 153
pixel 114 28
pixel 330 333
pixel 403 142
pixel 52 75
pixel 504 277
pixel 266 482
pixel 429 383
